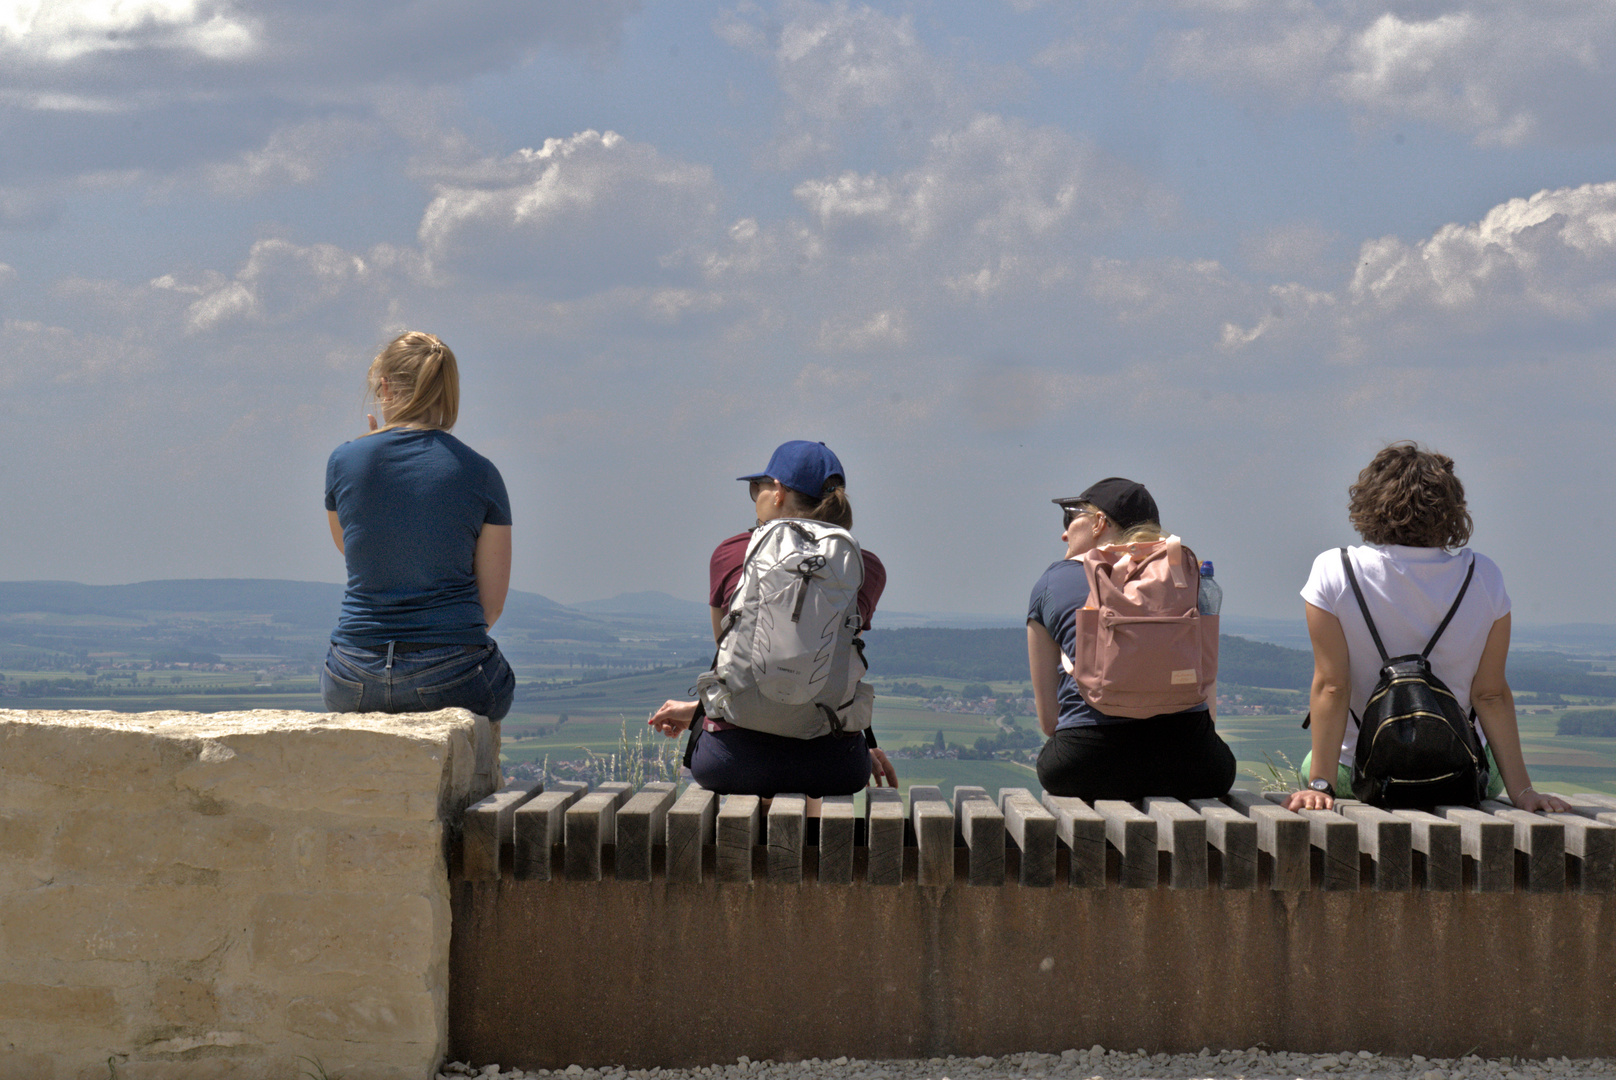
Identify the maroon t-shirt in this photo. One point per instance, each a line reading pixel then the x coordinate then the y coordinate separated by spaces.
pixel 725 575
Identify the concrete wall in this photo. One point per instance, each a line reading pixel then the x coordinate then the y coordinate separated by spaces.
pixel 218 895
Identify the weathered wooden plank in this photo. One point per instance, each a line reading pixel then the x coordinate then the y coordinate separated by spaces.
pixel 984 841
pixel 1033 829
pixel 964 793
pixel 1590 847
pixel 1589 807
pixel 924 793
pixel 1283 837
pixel 1082 830
pixel 883 831
pixel 1234 836
pixel 691 824
pixel 836 840
pixel 1488 843
pixel 590 821
pixel 641 823
pixel 933 821
pixel 1181 833
pixel 1439 847
pixel 740 819
pixel 1388 840
pixel 1133 835
pixel 1335 838
pixel 1540 843
pixel 488 827
pixel 787 821
pixel 537 827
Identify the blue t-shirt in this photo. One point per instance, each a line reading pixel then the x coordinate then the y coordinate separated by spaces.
pixel 1055 599
pixel 412 504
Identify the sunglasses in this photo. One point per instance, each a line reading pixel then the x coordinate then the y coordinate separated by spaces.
pixel 755 487
pixel 1070 514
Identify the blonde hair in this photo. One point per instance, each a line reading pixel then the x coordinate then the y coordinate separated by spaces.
pixel 1143 533
pixel 423 381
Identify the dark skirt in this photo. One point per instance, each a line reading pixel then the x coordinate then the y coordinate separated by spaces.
pixel 1179 755
pixel 739 761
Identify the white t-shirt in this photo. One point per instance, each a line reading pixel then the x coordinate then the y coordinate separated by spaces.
pixel 1408 590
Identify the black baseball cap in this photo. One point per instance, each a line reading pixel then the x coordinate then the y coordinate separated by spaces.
pixel 1125 502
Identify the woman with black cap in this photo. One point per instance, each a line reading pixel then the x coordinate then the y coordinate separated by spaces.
pixel 1095 754
pixel 803 480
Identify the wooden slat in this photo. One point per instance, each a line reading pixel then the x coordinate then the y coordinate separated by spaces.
pixel 1033 829
pixel 1488 844
pixel 488 827
pixel 933 820
pixel 1234 836
pixel 1181 833
pixel 1437 847
pixel 836 840
pixel 590 821
pixel 1082 831
pixel 1388 840
pixel 537 827
pixel 883 830
pixel 1540 843
pixel 1282 837
pixel 787 821
pixel 1335 838
pixel 641 825
pixel 1133 835
pixel 964 793
pixel 983 825
pixel 740 820
pixel 691 823
pixel 1590 846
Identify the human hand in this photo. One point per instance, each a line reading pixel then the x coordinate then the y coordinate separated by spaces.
pixel 673 718
pixel 881 768
pixel 371 418
pixel 1536 801
pixel 1309 800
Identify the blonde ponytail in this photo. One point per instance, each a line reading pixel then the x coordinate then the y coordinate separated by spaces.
pixel 423 381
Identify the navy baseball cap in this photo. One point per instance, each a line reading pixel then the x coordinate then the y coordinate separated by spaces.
pixel 1125 502
pixel 802 466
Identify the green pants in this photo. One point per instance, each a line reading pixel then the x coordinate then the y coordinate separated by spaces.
pixel 1343 776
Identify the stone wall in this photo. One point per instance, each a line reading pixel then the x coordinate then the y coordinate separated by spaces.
pixel 187 895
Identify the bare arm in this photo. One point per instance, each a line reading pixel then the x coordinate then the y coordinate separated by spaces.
pixel 1043 665
pixel 1495 708
pixel 1327 704
pixel 336 530
pixel 491 564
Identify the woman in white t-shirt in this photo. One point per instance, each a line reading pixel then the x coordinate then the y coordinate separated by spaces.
pixel 1409 507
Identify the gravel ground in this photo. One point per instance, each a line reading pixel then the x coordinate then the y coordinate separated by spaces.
pixel 1096 1063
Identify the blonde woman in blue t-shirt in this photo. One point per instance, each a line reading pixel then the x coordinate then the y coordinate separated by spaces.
pixel 424 524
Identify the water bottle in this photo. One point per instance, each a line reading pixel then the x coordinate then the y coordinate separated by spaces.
pixel 1211 592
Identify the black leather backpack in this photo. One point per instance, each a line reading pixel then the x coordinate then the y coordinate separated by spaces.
pixel 1416 747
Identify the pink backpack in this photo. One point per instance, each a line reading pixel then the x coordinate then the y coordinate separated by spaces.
pixel 1143 646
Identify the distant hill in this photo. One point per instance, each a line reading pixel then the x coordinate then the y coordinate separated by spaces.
pixel 656 604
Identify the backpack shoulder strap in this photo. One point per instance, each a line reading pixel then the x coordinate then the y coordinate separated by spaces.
pixel 1457 600
pixel 1346 564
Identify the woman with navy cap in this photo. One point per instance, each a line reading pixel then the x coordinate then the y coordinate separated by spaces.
pixel 1092 755
pixel 802 480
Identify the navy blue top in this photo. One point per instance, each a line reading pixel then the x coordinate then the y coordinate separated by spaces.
pixel 1054 603
pixel 412 504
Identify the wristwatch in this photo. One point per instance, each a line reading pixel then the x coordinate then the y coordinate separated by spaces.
pixel 1321 784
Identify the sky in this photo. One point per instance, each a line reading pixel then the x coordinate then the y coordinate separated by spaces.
pixel 989 251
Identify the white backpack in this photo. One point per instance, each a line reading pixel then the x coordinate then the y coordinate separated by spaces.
pixel 787 662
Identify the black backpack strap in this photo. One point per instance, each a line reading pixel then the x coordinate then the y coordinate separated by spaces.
pixel 1457 600
pixel 1346 564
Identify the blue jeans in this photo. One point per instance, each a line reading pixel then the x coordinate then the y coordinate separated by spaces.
pixel 474 677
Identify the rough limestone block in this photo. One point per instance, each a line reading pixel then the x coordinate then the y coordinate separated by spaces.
pixel 963 793
pixel 883 829
pixel 1437 845
pixel 739 822
pixel 1488 844
pixel 983 826
pixel 836 840
pixel 1033 829
pixel 537 827
pixel 590 821
pixel 691 823
pixel 1234 837
pixel 1540 842
pixel 1282 838
pixel 1082 831
pixel 488 827
pixel 934 836
pixel 1181 833
pixel 787 822
pixel 1388 840
pixel 640 823
pixel 1133 835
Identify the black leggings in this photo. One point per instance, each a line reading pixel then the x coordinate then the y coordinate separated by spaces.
pixel 1178 754
pixel 739 761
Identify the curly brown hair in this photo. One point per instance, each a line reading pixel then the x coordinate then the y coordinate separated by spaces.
pixel 1410 496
